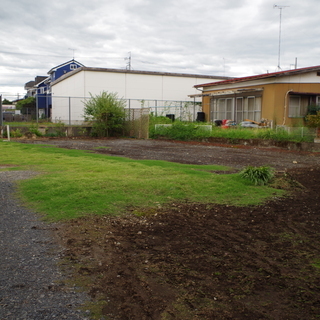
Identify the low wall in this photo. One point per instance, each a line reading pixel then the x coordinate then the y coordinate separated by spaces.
pixel 60 131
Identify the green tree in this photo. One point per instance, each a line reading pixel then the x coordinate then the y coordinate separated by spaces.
pixel 6 101
pixel 27 106
pixel 313 120
pixel 107 113
pixel 313 109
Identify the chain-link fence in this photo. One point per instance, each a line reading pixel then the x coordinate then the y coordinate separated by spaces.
pixel 69 110
pixel 137 123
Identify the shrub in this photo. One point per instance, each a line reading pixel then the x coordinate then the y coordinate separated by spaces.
pixel 107 114
pixel 34 130
pixel 259 176
pixel 313 120
pixel 182 131
pixel 313 109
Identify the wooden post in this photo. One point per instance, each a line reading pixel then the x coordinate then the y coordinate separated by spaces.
pixel 8 132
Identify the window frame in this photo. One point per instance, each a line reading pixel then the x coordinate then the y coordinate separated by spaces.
pixel 240 109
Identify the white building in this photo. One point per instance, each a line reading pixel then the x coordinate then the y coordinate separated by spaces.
pixel 140 88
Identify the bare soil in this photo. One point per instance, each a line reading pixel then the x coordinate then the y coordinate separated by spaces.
pixel 199 261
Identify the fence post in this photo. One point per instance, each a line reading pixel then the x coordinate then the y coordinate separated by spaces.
pixel 69 111
pixel 37 107
pixel 1 116
pixel 8 132
pixel 129 102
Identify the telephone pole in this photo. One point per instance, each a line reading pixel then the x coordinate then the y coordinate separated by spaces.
pixel 1 116
pixel 128 67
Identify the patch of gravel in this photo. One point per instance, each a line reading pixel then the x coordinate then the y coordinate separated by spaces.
pixel 31 285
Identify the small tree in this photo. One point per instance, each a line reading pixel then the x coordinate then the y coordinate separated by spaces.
pixel 106 111
pixel 313 109
pixel 6 101
pixel 313 121
pixel 27 106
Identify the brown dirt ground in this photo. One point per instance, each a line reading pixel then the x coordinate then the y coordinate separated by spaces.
pixel 199 261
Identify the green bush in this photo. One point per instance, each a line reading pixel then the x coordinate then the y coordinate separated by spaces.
pixel 313 120
pixel 193 131
pixel 34 130
pixel 106 111
pixel 181 131
pixel 16 133
pixel 313 109
pixel 259 176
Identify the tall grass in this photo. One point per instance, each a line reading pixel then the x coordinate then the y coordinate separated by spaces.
pixel 194 131
pixel 73 183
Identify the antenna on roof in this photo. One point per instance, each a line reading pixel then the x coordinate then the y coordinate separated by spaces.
pixel 280 8
pixel 73 50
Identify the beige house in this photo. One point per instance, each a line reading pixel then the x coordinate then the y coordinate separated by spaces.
pixel 282 98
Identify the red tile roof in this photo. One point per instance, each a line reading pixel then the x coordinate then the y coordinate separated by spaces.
pixel 261 76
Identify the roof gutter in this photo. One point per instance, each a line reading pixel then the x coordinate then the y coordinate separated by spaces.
pixel 285 107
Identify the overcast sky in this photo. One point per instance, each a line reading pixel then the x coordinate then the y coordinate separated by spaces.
pixel 214 37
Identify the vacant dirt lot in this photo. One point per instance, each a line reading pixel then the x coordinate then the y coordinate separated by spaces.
pixel 236 156
pixel 196 261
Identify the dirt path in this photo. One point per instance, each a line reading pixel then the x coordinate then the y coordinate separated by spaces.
pixel 237 156
pixel 31 284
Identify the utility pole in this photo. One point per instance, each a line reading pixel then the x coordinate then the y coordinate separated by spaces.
pixel 128 66
pixel 1 116
pixel 280 8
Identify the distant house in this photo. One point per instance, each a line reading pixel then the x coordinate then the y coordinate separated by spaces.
pixel 280 97
pixel 31 85
pixel 138 88
pixel 40 88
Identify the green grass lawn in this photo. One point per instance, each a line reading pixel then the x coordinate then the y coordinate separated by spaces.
pixel 73 183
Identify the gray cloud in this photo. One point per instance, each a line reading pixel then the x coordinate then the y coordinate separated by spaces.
pixel 217 37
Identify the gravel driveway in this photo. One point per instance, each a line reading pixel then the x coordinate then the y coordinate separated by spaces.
pixel 30 282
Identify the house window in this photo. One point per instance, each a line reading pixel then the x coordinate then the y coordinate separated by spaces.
pixel 238 108
pixel 252 108
pixel 298 106
pixel 73 66
pixel 294 106
pixel 224 109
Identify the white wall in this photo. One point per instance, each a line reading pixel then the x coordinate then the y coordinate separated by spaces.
pixel 127 85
